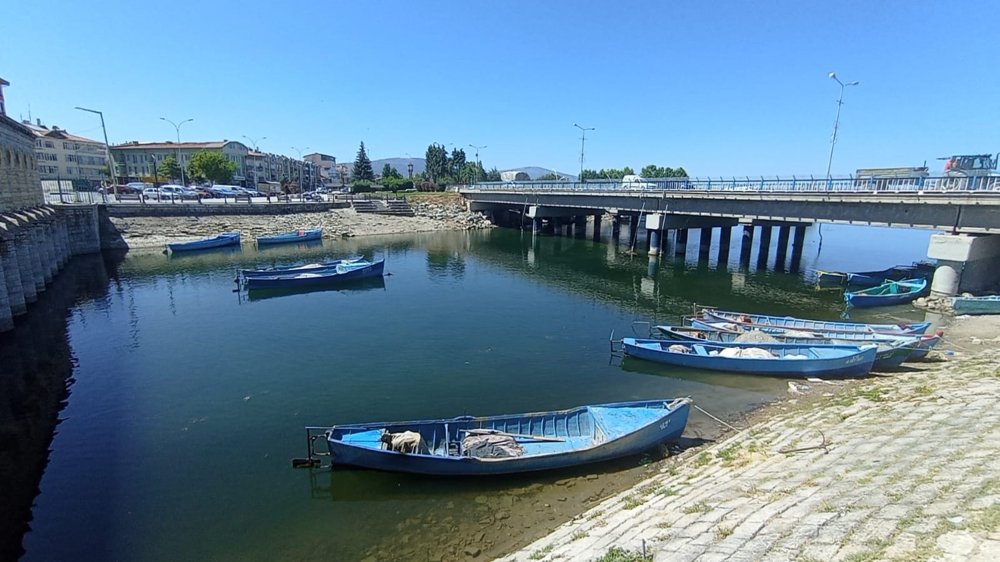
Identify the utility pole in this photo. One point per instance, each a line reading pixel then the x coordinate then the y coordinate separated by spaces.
pixel 478 148
pixel 583 140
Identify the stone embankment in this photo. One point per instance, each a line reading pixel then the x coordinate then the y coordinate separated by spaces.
pixel 901 467
pixel 150 232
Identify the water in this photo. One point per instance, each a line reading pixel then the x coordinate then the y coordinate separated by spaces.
pixel 188 399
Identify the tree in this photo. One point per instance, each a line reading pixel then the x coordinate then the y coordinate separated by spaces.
pixel 457 162
pixel 653 171
pixel 436 161
pixel 492 175
pixel 390 172
pixel 213 166
pixel 362 166
pixel 550 177
pixel 169 168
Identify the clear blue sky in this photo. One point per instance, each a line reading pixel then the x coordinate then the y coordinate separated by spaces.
pixel 721 88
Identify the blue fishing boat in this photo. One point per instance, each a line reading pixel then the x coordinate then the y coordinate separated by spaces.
pixel 976 305
pixel 224 239
pixel 304 268
pixel 874 278
pixel 891 351
pixel 344 272
pixel 765 321
pixel 887 294
pixel 776 359
pixel 506 444
pixel 301 235
pixel 919 345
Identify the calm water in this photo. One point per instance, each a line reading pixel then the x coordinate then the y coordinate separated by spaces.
pixel 188 400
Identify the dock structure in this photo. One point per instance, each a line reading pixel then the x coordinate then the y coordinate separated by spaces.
pixel 966 209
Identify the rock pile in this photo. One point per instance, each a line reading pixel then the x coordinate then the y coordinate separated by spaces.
pixel 454 213
pixel 934 304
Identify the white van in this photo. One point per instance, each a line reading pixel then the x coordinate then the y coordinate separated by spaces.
pixel 633 181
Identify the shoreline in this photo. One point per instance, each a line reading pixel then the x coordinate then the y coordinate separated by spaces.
pixel 805 479
pixel 156 232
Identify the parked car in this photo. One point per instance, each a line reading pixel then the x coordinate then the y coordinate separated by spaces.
pixel 151 194
pixel 226 191
pixel 177 192
pixel 138 186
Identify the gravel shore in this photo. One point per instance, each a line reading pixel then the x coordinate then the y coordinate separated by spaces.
pixel 898 467
pixel 155 232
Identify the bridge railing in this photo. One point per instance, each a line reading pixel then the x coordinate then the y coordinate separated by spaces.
pixel 761 184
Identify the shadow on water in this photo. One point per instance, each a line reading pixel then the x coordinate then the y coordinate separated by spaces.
pixel 37 372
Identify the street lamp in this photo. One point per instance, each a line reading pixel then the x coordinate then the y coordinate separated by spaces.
pixel 409 170
pixel 583 140
pixel 254 143
pixel 836 122
pixel 107 147
pixel 299 165
pixel 478 148
pixel 177 127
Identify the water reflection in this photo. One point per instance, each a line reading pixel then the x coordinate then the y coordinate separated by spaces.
pixel 359 285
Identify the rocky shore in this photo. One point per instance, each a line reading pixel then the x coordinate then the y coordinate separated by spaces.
pixel 155 232
pixel 893 467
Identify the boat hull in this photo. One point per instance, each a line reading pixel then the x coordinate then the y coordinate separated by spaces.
pixel 822 361
pixel 291 237
pixel 887 294
pixel 225 239
pixel 976 305
pixel 571 438
pixel 320 267
pixel 762 320
pixel 334 277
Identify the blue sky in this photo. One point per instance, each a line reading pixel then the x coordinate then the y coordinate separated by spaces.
pixel 721 88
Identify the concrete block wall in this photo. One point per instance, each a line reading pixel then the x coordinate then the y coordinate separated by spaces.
pixel 35 244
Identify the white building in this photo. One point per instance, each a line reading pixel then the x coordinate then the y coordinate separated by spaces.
pixel 64 156
pixel 325 167
pixel 140 160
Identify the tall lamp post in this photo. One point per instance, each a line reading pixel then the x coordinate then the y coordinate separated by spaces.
pixel 836 122
pixel 253 142
pixel 299 164
pixel 478 148
pixel 583 140
pixel 177 127
pixel 107 147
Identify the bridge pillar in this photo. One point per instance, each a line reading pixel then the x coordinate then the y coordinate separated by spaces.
pixel 798 241
pixel 746 245
pixel 725 240
pixel 682 239
pixel 633 230
pixel 654 243
pixel 597 228
pixel 536 225
pixel 581 226
pixel 704 242
pixel 966 263
pixel 782 251
pixel 765 246
pixel 616 228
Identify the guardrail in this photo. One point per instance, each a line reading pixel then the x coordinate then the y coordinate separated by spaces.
pixel 776 184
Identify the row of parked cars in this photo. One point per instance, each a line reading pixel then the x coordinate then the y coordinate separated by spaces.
pixel 179 192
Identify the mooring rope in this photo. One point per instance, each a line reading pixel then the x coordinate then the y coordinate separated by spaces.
pixel 702 410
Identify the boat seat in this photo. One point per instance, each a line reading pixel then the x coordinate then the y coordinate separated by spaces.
pixel 699 349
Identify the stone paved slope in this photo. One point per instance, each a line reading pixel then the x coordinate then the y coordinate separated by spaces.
pixel 910 471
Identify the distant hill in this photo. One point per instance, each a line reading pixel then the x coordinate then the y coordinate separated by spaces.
pixel 400 164
pixel 536 172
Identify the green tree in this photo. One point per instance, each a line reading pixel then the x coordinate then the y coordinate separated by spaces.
pixel 168 168
pixel 653 171
pixel 362 166
pixel 550 177
pixel 436 163
pixel 390 172
pixel 492 175
pixel 213 166
pixel 457 162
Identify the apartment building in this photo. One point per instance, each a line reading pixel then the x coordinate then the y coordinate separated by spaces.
pixel 139 160
pixel 324 169
pixel 64 156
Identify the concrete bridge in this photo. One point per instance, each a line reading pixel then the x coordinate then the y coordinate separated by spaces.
pixel 966 209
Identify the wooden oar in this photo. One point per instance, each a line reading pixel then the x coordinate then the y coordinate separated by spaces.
pixel 520 435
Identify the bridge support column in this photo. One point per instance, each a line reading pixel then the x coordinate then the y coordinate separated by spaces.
pixel 597 228
pixel 581 226
pixel 746 244
pixel 682 240
pixel 725 240
pixel 782 251
pixel 798 241
pixel 10 262
pixel 654 228
pixel 633 230
pixel 704 243
pixel 765 246
pixel 966 263
pixel 616 228
pixel 536 225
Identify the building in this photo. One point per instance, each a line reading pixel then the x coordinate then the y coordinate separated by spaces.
pixel 325 169
pixel 20 187
pixel 264 167
pixel 138 161
pixel 343 173
pixel 63 156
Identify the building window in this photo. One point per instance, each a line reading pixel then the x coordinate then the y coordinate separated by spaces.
pixel 50 144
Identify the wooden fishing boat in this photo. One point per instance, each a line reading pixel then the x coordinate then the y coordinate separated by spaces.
pixel 293 269
pixel 976 305
pixel 344 272
pixel 301 235
pixel 887 294
pixel 360 285
pixel 218 241
pixel 476 446
pixel 891 351
pixel 874 278
pixel 776 359
pixel 919 345
pixel 763 320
